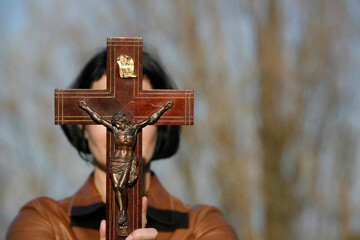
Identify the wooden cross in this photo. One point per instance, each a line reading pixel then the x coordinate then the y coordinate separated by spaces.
pixel 127 96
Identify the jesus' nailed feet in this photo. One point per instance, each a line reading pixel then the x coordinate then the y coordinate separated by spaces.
pixel 122 218
pixel 123 228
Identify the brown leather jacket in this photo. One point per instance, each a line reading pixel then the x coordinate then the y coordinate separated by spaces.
pixel 79 216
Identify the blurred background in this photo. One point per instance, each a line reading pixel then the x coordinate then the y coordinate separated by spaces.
pixel 276 138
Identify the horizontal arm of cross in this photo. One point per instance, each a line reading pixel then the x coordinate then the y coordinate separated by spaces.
pixel 68 112
pixel 146 102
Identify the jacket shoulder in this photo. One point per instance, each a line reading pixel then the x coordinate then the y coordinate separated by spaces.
pixel 210 223
pixel 41 218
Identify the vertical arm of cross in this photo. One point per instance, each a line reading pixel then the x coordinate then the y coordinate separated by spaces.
pixel 140 104
pixel 123 89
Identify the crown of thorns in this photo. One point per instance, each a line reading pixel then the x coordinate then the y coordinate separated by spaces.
pixel 118 117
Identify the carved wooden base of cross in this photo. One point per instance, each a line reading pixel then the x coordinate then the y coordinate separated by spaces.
pixel 127 96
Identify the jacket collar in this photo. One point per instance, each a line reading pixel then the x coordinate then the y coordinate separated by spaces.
pixel 86 200
pixel 160 203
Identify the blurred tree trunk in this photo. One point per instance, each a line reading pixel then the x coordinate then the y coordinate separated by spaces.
pixel 276 130
pixel 314 77
pixel 229 172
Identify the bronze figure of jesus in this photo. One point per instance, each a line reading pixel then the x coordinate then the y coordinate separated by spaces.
pixel 123 163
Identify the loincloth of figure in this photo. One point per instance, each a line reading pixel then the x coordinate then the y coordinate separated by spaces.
pixel 119 165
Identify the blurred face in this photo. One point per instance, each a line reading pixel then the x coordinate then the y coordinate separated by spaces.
pixel 96 134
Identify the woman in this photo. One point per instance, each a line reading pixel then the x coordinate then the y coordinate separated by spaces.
pixel 79 216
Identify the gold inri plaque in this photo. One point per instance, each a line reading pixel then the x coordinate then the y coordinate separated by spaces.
pixel 126 66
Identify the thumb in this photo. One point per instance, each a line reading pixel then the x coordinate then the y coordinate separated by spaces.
pixel 143 210
pixel 102 230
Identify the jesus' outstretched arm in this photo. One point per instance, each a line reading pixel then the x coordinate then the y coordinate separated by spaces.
pixel 153 118
pixel 94 115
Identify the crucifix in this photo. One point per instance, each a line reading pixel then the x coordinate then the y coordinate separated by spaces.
pixel 125 100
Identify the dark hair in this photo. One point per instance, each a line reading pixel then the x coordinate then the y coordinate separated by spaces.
pixel 168 136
